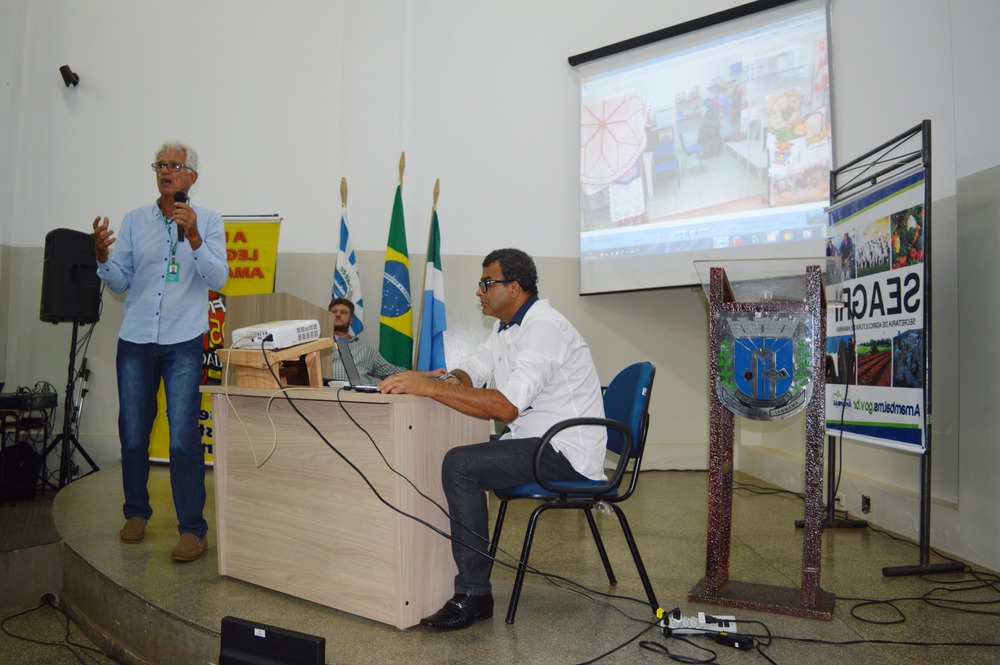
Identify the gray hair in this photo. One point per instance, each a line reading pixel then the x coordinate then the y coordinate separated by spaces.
pixel 190 155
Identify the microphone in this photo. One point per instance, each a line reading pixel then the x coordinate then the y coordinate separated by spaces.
pixel 180 197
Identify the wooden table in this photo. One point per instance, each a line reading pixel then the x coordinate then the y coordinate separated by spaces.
pixel 305 523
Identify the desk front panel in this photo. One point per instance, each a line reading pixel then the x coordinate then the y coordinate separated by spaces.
pixel 306 523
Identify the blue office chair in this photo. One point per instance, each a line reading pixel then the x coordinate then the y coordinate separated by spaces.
pixel 693 149
pixel 626 407
pixel 664 161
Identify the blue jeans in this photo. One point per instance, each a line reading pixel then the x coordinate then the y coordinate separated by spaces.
pixel 467 473
pixel 140 368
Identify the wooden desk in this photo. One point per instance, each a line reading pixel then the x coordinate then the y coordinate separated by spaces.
pixel 306 524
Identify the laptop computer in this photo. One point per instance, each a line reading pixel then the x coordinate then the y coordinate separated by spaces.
pixel 353 378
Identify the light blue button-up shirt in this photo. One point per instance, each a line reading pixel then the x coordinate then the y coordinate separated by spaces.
pixel 158 311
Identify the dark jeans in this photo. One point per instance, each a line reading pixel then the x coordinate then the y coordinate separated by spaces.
pixel 140 368
pixel 467 473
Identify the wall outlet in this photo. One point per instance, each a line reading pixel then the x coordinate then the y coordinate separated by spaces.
pixel 866 504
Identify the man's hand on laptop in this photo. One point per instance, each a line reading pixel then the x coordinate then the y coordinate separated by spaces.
pixel 411 382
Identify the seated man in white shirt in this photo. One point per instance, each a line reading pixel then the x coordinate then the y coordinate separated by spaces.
pixel 543 373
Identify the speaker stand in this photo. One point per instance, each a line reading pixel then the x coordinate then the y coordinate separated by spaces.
pixel 67 441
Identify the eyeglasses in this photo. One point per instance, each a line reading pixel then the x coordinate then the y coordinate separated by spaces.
pixel 486 283
pixel 170 166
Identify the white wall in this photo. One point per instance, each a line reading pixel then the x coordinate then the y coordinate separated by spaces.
pixel 283 99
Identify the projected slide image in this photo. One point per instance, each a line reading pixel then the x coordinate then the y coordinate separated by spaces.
pixel 713 142
pixel 727 136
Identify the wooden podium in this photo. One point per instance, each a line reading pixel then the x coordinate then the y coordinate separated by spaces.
pixel 297 365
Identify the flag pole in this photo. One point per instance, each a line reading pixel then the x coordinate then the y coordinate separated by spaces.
pixel 430 230
pixel 396 318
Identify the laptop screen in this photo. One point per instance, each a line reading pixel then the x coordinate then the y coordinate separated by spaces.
pixel 353 377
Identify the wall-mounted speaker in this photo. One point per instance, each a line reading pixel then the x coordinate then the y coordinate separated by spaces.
pixel 71 289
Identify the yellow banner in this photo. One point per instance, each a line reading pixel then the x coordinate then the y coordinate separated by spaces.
pixel 252 253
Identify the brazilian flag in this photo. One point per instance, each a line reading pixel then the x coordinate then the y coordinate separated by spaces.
pixel 396 321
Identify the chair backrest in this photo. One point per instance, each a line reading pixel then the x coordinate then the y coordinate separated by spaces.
pixel 627 401
pixel 663 151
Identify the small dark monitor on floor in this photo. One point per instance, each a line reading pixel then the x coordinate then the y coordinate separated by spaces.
pixel 251 643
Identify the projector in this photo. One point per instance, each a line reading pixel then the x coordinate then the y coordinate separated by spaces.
pixel 276 334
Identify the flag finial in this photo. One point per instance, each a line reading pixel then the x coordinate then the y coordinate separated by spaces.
pixel 343 192
pixel 402 166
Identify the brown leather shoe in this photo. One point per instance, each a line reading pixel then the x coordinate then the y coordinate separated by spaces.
pixel 189 548
pixel 133 531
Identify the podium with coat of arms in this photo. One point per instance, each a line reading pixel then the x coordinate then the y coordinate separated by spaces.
pixel 767 362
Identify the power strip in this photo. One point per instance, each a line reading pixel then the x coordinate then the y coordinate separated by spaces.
pixel 677 624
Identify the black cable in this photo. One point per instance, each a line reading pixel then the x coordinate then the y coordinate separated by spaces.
pixel 843 405
pixel 339 454
pixel 548 576
pixel 67 644
pixel 809 640
pixel 551 578
pixel 622 645
pixel 659 648
pixel 936 597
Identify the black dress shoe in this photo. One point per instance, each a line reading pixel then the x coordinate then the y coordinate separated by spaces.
pixel 460 612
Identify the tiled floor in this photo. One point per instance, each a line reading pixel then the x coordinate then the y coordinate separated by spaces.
pixel 556 625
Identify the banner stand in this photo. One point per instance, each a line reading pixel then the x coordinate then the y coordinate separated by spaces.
pixel 905 156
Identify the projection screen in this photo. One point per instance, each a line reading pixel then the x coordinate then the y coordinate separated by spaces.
pixel 713 139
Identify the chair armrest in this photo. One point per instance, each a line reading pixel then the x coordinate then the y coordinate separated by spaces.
pixel 584 487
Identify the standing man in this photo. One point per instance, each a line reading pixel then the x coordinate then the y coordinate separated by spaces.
pixel 544 373
pixel 168 255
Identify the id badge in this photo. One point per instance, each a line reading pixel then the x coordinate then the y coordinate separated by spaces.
pixel 173 272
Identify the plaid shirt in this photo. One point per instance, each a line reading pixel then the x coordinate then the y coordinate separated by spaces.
pixel 371 365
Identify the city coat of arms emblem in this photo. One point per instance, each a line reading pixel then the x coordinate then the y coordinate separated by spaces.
pixel 764 363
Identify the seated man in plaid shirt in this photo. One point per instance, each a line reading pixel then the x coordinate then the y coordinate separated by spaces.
pixel 372 367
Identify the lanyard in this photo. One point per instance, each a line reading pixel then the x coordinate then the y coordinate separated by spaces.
pixel 171 240
pixel 173 269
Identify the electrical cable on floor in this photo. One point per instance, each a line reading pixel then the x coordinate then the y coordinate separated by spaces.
pixel 90 652
pixel 622 645
pixel 982 581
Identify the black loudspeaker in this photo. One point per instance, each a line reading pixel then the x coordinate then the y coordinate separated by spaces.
pixel 71 289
